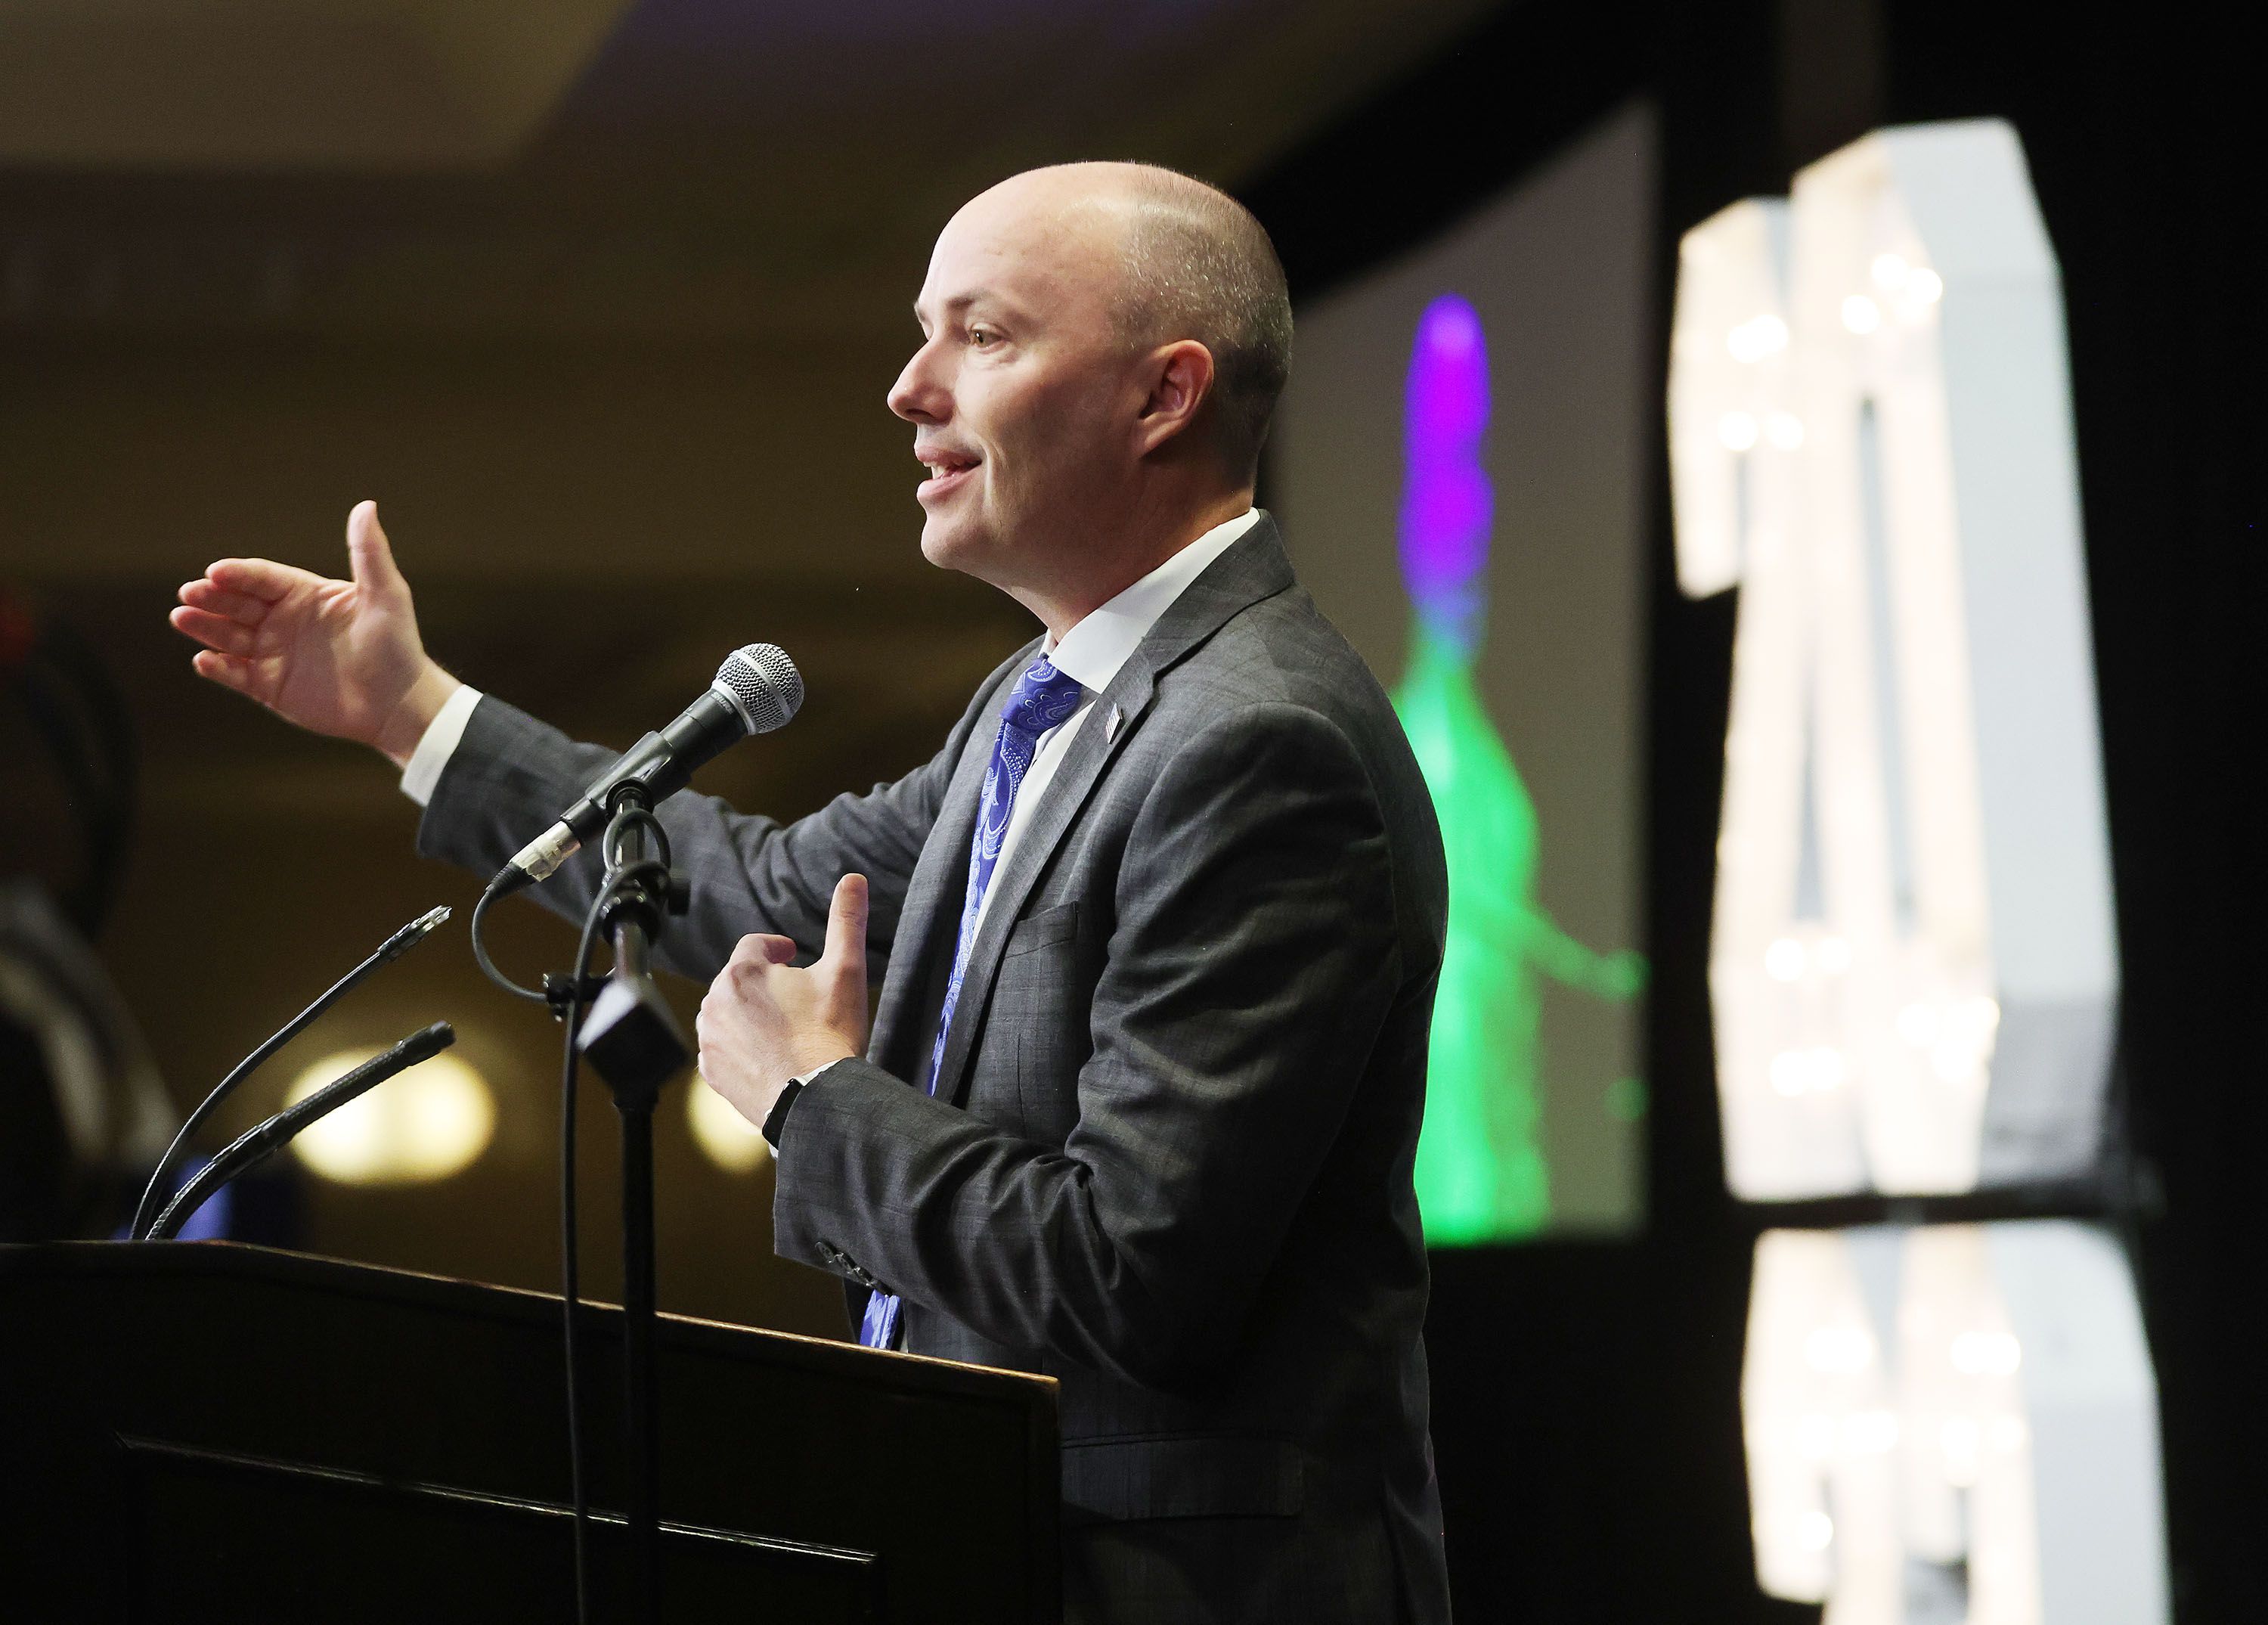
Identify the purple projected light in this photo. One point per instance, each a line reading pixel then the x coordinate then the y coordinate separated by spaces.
pixel 1447 504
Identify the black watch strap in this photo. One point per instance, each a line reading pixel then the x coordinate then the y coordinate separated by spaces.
pixel 776 1120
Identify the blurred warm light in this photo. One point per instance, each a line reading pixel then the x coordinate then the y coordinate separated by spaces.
pixel 1839 1349
pixel 725 1137
pixel 1985 1354
pixel 1758 337
pixel 422 1125
pixel 1871 1431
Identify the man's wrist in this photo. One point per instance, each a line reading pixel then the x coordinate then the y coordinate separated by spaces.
pixel 438 743
pixel 774 1123
pixel 398 737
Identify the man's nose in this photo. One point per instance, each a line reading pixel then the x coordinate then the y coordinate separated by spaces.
pixel 919 395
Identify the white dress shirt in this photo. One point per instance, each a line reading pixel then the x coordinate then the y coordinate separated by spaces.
pixel 1093 652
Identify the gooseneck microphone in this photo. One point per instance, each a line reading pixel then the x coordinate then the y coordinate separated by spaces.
pixel 401 943
pixel 256 1145
pixel 756 690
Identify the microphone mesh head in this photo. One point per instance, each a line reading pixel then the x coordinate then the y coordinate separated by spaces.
pixel 763 685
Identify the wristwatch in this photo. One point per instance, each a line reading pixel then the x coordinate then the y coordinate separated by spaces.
pixel 776 1120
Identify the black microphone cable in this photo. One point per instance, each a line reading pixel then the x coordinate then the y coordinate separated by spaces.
pixel 399 943
pixel 507 880
pixel 256 1145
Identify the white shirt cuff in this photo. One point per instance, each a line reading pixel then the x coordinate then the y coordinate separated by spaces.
pixel 438 744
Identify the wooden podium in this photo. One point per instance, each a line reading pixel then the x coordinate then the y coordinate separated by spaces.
pixel 201 1430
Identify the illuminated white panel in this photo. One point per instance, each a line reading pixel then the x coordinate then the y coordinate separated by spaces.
pixel 1913 971
pixel 2088 1391
pixel 1727 382
pixel 1969 1459
pixel 1779 972
pixel 1821 1431
pixel 1954 1423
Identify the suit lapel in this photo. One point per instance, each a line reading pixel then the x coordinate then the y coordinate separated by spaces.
pixel 1253 568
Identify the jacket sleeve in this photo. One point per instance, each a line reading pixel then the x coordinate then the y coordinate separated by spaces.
pixel 511 776
pixel 1252 961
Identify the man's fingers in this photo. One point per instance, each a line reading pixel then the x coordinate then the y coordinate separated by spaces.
pixel 215 631
pixel 240 607
pixel 230 673
pixel 846 922
pixel 370 557
pixel 259 578
pixel 763 949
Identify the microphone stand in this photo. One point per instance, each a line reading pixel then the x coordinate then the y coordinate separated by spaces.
pixel 633 1041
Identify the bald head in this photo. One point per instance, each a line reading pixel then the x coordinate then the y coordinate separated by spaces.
pixel 1192 263
pixel 1101 347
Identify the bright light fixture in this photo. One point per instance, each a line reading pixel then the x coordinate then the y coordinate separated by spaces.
pixel 423 1125
pixel 725 1137
pixel 1756 338
pixel 1985 1354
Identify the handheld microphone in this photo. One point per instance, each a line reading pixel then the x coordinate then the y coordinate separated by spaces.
pixel 255 1146
pixel 756 690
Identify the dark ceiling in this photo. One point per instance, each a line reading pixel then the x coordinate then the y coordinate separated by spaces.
pixel 685 168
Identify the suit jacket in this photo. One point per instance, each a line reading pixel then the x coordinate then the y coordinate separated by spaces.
pixel 1169 1158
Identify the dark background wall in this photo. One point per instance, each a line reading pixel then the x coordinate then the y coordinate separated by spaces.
pixel 652 348
pixel 601 302
pixel 1586 1395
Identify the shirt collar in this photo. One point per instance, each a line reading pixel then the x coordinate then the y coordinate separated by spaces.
pixel 1103 640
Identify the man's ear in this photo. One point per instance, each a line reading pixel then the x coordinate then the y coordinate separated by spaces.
pixel 1179 377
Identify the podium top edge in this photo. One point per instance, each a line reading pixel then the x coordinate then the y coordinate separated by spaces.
pixel 124 1261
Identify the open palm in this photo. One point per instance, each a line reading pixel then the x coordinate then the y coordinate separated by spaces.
pixel 341 657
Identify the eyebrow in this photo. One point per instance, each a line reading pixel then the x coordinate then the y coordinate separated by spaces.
pixel 962 302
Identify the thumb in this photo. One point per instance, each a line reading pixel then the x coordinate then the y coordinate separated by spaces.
pixel 846 923
pixel 370 558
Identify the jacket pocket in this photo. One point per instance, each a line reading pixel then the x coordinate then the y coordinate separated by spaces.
pixel 1183 1475
pixel 1050 926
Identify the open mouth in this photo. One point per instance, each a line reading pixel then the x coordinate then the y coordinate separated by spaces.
pixel 947 471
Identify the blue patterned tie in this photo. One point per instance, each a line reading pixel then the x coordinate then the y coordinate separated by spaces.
pixel 1042 698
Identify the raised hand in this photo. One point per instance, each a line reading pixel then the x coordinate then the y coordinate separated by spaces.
pixel 341 658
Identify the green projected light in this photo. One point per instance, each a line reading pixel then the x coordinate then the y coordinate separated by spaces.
pixel 1482 1172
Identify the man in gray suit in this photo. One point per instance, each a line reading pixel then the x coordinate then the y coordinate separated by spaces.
pixel 1159 928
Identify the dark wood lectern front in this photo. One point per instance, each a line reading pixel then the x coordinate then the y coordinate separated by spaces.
pixel 195 1431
